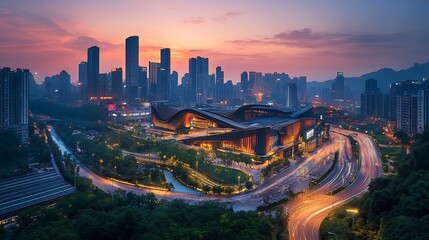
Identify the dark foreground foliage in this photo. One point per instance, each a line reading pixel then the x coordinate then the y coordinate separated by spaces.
pixel 396 207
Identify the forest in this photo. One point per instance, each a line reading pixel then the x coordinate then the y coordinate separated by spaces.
pixel 395 207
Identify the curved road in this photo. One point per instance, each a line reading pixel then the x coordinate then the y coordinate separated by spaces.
pixel 309 210
pixel 246 201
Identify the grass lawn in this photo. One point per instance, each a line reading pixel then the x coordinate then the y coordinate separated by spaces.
pixel 222 174
pixel 381 139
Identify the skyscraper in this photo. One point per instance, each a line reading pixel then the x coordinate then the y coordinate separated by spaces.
pixel 302 89
pixel 228 91
pixel 144 83
pixel 93 72
pixel 337 89
pixel 198 73
pixel 14 91
pixel 83 81
pixel 132 67
pixel 117 85
pixel 244 79
pixel 153 80
pixel 105 84
pixel 372 100
pixel 166 65
pixel 58 87
pixel 406 105
pixel 174 79
pixel 161 83
pixel 219 83
pixel 292 95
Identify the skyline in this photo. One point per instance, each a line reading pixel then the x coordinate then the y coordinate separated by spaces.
pixel 310 38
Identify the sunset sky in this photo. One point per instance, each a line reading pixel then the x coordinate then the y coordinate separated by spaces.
pixel 312 38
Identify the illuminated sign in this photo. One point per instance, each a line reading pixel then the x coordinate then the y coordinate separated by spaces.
pixel 111 107
pixel 310 134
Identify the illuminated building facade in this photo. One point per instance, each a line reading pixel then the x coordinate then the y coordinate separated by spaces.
pixel 252 129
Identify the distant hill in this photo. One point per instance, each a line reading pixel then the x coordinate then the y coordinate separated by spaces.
pixel 384 76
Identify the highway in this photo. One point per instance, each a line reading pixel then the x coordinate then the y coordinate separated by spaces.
pixel 308 210
pixel 245 201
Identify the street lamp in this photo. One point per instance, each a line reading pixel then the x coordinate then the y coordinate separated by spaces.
pixel 238 180
pixel 353 211
pixel 101 165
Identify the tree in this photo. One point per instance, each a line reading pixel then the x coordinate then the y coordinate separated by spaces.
pixel 249 185
pixel 207 188
pixel 403 137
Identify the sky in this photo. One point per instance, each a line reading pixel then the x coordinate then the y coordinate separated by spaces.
pixel 312 38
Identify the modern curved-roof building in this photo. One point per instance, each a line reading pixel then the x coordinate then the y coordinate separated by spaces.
pixel 251 129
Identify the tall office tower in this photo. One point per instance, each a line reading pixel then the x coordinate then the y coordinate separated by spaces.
pixel 211 86
pixel 153 80
pixel 255 86
pixel 174 81
pixel 393 92
pixel 198 73
pixel 237 94
pixel 292 95
pixel 302 89
pixel 143 83
pixel 166 64
pixel 132 67
pixel 105 84
pixel 244 79
pixel 219 83
pixel 371 85
pixel 372 100
pixel 83 81
pixel 117 85
pixel 161 91
pixel 228 91
pixel 14 92
pixel 93 72
pixel 186 89
pixel 337 89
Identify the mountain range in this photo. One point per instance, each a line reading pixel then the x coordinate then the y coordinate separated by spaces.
pixel 384 77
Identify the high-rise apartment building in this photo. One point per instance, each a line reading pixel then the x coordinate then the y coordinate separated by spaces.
pixel 58 87
pixel 407 105
pixel 373 102
pixel 14 92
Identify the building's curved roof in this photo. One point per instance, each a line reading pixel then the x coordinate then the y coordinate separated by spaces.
pixel 167 114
